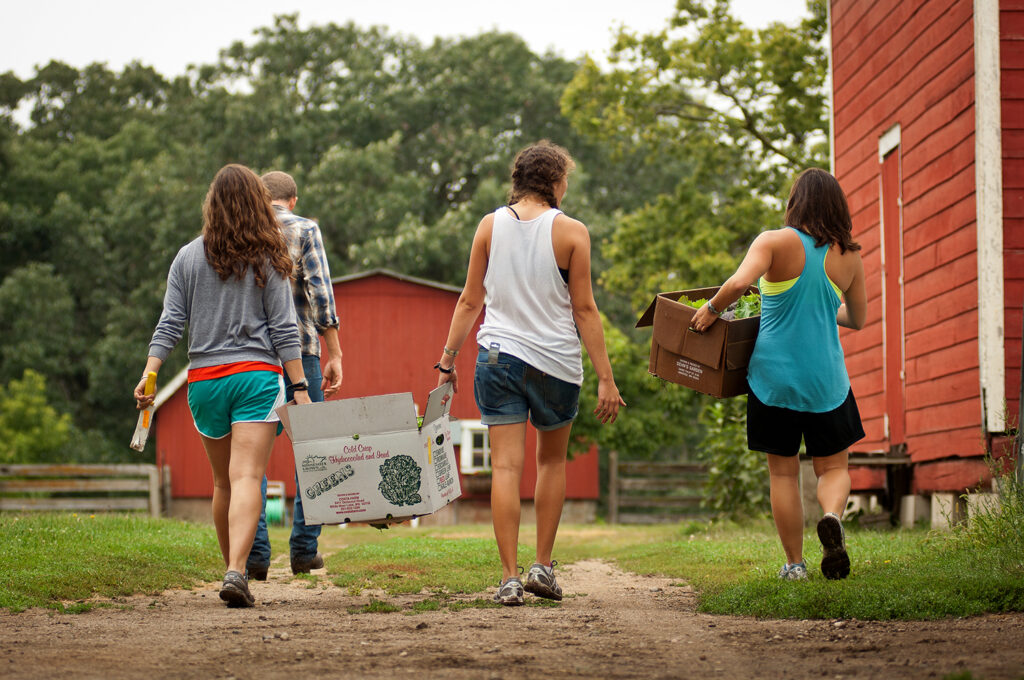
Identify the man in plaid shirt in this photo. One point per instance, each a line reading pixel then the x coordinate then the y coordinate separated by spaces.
pixel 316 316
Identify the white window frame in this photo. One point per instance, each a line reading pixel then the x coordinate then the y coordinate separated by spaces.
pixel 466 449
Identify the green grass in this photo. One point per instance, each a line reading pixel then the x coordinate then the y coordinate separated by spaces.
pixel 62 561
pixel 410 562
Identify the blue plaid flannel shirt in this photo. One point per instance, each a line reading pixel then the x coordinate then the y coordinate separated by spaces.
pixel 311 287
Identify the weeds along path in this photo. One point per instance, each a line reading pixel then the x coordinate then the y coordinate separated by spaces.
pixel 611 625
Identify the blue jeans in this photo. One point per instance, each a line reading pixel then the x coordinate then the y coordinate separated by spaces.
pixel 303 541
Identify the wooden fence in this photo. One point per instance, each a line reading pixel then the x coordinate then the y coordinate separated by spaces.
pixel 98 488
pixel 643 492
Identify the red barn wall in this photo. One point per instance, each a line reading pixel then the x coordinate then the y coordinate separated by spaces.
pixel 391 334
pixel 1011 57
pixel 912 64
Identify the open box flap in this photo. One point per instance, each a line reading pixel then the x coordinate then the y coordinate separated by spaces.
pixel 347 417
pixel 647 318
pixel 439 403
pixel 672 332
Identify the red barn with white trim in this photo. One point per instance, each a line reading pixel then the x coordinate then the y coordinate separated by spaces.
pixel 928 102
pixel 392 330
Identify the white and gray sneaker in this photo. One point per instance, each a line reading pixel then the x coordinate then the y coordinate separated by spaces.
pixel 835 563
pixel 793 572
pixel 510 592
pixel 540 581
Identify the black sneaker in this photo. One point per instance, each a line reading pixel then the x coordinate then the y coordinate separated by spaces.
pixel 303 565
pixel 835 563
pixel 510 592
pixel 541 581
pixel 235 590
pixel 256 572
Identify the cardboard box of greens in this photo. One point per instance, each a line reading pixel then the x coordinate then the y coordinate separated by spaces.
pixel 367 459
pixel 713 362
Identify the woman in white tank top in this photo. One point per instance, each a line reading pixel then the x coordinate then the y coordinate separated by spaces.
pixel 530 268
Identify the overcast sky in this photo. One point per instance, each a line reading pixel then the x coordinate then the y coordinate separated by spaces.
pixel 170 36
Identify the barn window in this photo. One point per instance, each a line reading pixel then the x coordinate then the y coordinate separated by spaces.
pixel 475 447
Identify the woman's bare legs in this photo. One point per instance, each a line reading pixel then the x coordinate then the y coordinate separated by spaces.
pixel 238 462
pixel 507 453
pixel 787 506
pixel 833 473
pixel 219 453
pixel 549 494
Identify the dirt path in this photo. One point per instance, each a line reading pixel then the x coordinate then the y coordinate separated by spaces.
pixel 617 626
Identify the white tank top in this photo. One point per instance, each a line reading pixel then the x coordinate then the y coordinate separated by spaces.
pixel 528 312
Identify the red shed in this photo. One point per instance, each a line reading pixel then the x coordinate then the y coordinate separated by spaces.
pixel 392 329
pixel 928 102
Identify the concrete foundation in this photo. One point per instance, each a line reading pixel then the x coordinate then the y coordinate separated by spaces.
pixel 948 510
pixel 981 503
pixel 914 510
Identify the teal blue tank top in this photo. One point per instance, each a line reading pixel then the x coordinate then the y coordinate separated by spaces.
pixel 798 361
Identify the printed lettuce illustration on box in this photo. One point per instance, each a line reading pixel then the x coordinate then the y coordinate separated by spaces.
pixel 400 480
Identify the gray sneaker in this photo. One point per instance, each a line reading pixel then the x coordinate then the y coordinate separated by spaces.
pixel 793 572
pixel 510 592
pixel 235 590
pixel 541 581
pixel 835 563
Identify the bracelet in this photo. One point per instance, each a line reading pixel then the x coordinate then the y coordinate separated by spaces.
pixel 711 308
pixel 451 352
pixel 447 371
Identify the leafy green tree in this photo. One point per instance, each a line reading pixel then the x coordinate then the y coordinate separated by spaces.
pixel 364 193
pixel 31 431
pixel 94 101
pixel 737 482
pixel 707 75
pixel 37 327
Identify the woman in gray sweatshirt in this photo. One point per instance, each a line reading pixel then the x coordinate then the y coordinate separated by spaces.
pixel 231 286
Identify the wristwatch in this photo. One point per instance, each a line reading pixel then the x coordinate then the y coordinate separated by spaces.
pixel 301 386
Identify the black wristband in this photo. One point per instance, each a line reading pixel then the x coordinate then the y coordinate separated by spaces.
pixel 300 386
pixel 448 371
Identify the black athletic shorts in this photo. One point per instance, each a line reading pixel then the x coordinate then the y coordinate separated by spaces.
pixel 778 430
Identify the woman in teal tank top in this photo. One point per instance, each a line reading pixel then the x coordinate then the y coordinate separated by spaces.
pixel 811 279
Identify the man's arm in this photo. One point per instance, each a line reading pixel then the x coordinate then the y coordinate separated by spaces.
pixel 320 297
pixel 332 369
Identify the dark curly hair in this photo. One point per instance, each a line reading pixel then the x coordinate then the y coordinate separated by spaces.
pixel 240 229
pixel 536 169
pixel 817 206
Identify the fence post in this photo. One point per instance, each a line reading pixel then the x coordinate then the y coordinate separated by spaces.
pixel 154 491
pixel 165 476
pixel 613 487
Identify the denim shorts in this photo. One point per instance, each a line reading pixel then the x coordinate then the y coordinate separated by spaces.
pixel 249 397
pixel 510 391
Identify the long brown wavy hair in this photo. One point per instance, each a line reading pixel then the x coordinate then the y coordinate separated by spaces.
pixel 536 169
pixel 240 229
pixel 817 206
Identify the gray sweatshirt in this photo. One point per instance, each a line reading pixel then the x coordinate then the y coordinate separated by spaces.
pixel 228 320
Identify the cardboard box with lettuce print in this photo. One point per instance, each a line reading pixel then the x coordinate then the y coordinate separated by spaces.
pixel 367 460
